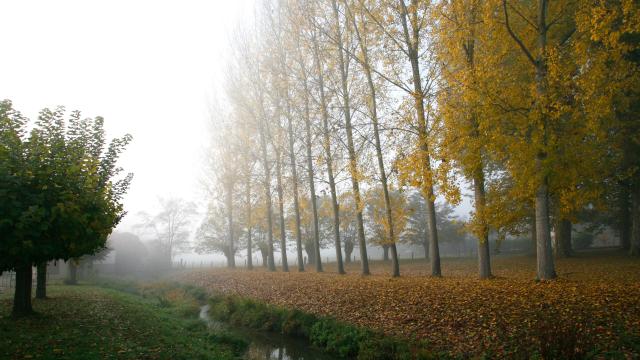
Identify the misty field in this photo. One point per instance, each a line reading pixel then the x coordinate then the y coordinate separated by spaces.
pixel 592 308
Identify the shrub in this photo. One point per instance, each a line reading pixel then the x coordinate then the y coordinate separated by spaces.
pixel 298 324
pixel 332 336
pixel 237 344
pixel 337 338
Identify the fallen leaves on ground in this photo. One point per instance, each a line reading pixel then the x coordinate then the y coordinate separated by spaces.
pixel 594 300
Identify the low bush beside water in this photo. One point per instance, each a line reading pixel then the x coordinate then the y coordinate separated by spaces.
pixel 327 334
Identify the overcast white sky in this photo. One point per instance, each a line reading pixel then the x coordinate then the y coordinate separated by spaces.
pixel 148 67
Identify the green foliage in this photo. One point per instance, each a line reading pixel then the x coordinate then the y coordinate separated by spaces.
pixel 337 338
pixel 238 344
pixel 60 198
pixel 297 323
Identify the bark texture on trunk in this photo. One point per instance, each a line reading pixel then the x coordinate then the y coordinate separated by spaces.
pixel 545 265
pixel 310 170
pixel 484 260
pixel 283 229
pixel 296 202
pixel 231 260
pixel 412 39
pixel 249 244
pixel 563 238
pixel 41 281
pixel 635 219
pixel 624 221
pixel 267 193
pixel 22 295
pixel 434 249
pixel 534 235
pixel 484 257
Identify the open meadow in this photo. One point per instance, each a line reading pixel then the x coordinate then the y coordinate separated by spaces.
pixel 86 322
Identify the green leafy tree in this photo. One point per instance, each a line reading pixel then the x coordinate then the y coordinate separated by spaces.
pixel 59 198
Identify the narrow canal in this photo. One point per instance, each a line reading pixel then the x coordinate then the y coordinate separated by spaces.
pixel 265 345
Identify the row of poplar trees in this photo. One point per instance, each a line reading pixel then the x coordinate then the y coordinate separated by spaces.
pixel 530 106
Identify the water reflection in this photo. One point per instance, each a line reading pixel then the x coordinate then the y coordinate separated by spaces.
pixel 266 345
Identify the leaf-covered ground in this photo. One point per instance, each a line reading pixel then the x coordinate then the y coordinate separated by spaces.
pixel 84 322
pixel 593 306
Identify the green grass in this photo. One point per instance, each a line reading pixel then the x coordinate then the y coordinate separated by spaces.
pixel 87 322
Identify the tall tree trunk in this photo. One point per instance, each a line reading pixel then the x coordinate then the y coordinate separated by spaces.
pixel 41 281
pixel 283 229
pixel 545 265
pixel 267 194
pixel 22 295
pixel 310 170
pixel 385 252
pixel 285 95
pixel 353 162
pixel 231 259
pixel 73 272
pixel 309 149
pixel 296 202
pixel 534 235
pixel 412 42
pixel 249 244
pixel 635 218
pixel 376 134
pixel 484 260
pixel 329 162
pixel 624 221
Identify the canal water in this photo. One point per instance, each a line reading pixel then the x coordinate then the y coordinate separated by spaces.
pixel 268 345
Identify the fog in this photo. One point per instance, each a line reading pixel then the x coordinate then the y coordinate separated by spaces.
pixel 153 69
